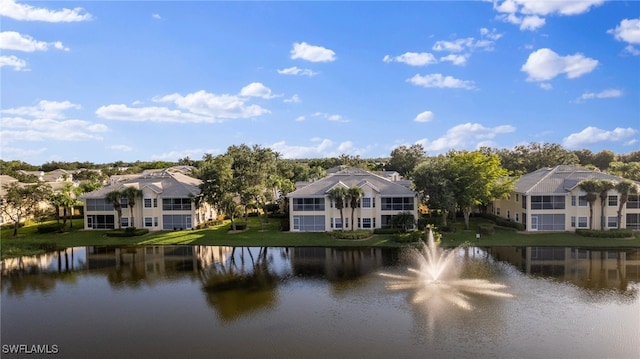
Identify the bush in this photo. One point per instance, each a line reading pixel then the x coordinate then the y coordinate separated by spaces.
pixel 486 229
pixel 358 234
pixel 612 233
pixel 502 222
pixel 409 237
pixel 239 227
pixel 11 225
pixel 128 232
pixel 387 230
pixel 50 228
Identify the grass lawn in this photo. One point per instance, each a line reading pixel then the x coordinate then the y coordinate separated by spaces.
pixel 29 242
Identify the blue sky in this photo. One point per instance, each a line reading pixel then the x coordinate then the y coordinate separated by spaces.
pixel 145 80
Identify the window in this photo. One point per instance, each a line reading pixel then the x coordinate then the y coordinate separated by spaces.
pixel 517 217
pixel 397 203
pixel 550 222
pixel 336 222
pixel 176 204
pixel 613 201
pixel 124 222
pixel 155 203
pixel 517 197
pixel 148 222
pixel 612 222
pixel 98 204
pixel 583 222
pixel 124 203
pixel 308 204
pixel 582 201
pixel 547 202
pixel 497 211
pixel 573 201
pixel 366 202
pixel 633 220
pixel 367 223
pixel 176 221
pixel 573 222
pixel 155 221
pixel 308 223
pixel 633 201
pixel 147 203
pixel 524 202
pixel 101 221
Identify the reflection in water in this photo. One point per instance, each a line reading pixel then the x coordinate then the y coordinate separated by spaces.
pixel 596 271
pixel 435 277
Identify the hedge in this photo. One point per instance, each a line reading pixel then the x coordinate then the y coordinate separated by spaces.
pixel 409 237
pixel 612 233
pixel 128 232
pixel 358 234
pixel 50 228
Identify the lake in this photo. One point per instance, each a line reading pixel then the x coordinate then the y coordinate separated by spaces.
pixel 225 302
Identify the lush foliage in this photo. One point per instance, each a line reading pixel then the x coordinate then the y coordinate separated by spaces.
pixel 352 235
pixel 612 233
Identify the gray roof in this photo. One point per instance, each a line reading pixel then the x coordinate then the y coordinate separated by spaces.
pixel 350 177
pixel 559 179
pixel 166 184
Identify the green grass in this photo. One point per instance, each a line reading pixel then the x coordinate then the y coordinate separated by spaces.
pixel 29 242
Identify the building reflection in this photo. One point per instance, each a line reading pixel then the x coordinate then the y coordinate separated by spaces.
pixel 589 269
pixel 339 264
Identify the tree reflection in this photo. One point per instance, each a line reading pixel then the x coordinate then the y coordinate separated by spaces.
pixel 237 289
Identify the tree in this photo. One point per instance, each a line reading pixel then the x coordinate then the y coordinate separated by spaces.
pixel 432 181
pixel 592 189
pixel 114 197
pixel 404 159
pixel 625 188
pixel 353 198
pixel 604 187
pixel 627 170
pixel 477 179
pixel 57 201
pixel 603 158
pixel 131 194
pixel 21 200
pixel 337 195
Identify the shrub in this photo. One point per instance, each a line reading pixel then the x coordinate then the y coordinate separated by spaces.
pixel 486 229
pixel 11 225
pixel 409 237
pixel 50 228
pixel 239 227
pixel 612 233
pixel 358 234
pixel 128 232
pixel 387 230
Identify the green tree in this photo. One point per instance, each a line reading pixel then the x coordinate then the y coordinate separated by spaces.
pixel 337 195
pixel 22 200
pixel 592 189
pixel 404 159
pixel 603 158
pixel 131 194
pixel 57 201
pixel 114 197
pixel 625 188
pixel 604 187
pixel 432 181
pixel 477 179
pixel 352 197
pixel 627 170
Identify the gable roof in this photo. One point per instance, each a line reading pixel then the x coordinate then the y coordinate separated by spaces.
pixel 165 183
pixel 558 179
pixel 351 177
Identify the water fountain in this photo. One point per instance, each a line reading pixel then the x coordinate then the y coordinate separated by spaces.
pixel 435 277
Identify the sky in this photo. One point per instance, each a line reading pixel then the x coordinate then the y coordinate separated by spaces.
pixel 113 81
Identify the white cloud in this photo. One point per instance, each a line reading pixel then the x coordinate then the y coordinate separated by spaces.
pixel 123 148
pixel 13 152
pixel 330 117
pixel 297 71
pixel 156 16
pixel 413 58
pixel 257 89
pixel 546 86
pixel 628 31
pixel 197 107
pixel 457 60
pixel 609 93
pixel 440 81
pixel 300 118
pixel 528 13
pixel 453 46
pixel 11 9
pixel 591 135
pixel 425 116
pixel 316 149
pixel 12 61
pixel 304 51
pixel 11 40
pixel 465 136
pixel 47 121
pixel 44 109
pixel 294 99
pixel 177 154
pixel 544 64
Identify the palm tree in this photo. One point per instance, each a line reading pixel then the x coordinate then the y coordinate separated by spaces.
pixel 131 193
pixel 114 198
pixel 337 195
pixel 353 198
pixel 592 189
pixel 57 201
pixel 604 187
pixel 625 188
